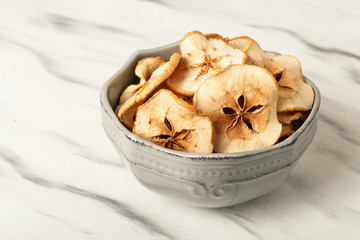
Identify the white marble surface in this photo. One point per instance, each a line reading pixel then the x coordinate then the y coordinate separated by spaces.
pixel 60 178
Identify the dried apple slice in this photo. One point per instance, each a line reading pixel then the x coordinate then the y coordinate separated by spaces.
pixel 291 121
pixel 117 108
pixel 287 117
pixel 188 99
pixel 216 36
pixel 144 70
pixel 129 92
pixel 202 57
pixel 241 102
pixel 168 121
pixel 286 131
pixel 242 43
pixel 213 35
pixel 127 111
pixel 294 93
pixel 287 120
pixel 145 67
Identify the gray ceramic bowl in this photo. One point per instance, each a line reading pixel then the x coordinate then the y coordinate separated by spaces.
pixel 205 180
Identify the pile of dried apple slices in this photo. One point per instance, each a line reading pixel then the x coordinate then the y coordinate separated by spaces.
pixel 220 95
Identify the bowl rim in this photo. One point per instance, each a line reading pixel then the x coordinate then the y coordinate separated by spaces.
pixel 105 105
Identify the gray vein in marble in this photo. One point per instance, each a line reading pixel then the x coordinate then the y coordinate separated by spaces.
pixel 339 156
pixel 355 75
pixel 296 182
pixel 35 39
pixel 313 193
pixel 239 220
pixel 65 223
pixel 123 210
pixel 343 138
pixel 321 205
pixel 62 138
pixel 83 151
pixel 71 24
pixel 332 113
pixel 50 66
pixel 320 201
pixel 308 43
pixel 100 160
pixel 352 211
pixel 235 210
pixel 341 130
pixel 117 206
pixel 93 106
pixel 117 57
pixel 156 1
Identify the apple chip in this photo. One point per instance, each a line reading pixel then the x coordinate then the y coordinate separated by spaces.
pixel 242 43
pixel 127 111
pixel 144 70
pixel 116 110
pixel 294 93
pixel 129 92
pixel 286 131
pixel 188 99
pixel 170 122
pixel 202 57
pixel 241 102
pixel 287 117
pixel 145 67
pixel 291 121
pixel 216 36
